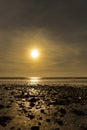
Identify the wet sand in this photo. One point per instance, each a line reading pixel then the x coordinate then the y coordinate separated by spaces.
pixel 45 107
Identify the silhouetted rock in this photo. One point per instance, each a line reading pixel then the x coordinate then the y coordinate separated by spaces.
pixel 8 106
pixel 83 127
pixel 12 128
pixel 31 116
pixel 4 120
pixel 19 129
pixel 40 118
pixel 59 122
pixel 33 99
pixel 47 120
pixel 39 123
pixel 35 128
pixel 79 112
pixel 56 129
pixel 63 111
pixel 1 106
pixel 32 104
pixel 42 111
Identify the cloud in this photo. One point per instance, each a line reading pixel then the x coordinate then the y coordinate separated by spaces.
pixel 58 28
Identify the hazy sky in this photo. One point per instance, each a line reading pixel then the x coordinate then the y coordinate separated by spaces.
pixel 57 28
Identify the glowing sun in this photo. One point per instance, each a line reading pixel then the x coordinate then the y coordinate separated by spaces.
pixel 35 54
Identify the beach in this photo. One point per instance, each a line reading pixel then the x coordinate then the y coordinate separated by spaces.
pixel 43 107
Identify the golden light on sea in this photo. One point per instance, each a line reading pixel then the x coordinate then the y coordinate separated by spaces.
pixel 34 80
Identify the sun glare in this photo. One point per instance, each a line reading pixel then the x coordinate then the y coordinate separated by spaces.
pixel 35 54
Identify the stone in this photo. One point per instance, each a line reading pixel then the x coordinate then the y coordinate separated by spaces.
pixel 31 116
pixel 4 120
pixel 63 111
pixel 35 128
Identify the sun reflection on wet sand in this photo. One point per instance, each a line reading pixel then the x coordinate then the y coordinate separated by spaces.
pixel 34 80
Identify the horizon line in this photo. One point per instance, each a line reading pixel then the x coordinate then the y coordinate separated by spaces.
pixel 54 77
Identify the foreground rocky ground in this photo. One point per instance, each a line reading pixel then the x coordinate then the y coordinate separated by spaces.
pixel 43 107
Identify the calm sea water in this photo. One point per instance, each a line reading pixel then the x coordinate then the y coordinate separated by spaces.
pixel 45 81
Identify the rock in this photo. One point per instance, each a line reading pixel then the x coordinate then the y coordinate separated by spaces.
pixel 60 122
pixel 35 128
pixel 19 129
pixel 56 129
pixel 32 104
pixel 83 127
pixel 63 111
pixel 39 123
pixel 47 120
pixel 12 128
pixel 4 120
pixel 24 110
pixel 33 99
pixel 8 106
pixel 12 93
pixel 6 88
pixel 31 116
pixel 1 106
pixel 42 111
pixel 40 118
pixel 79 112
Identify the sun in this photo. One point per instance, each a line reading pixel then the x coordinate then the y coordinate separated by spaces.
pixel 35 53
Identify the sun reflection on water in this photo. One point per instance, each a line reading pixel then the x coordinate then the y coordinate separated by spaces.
pixel 34 80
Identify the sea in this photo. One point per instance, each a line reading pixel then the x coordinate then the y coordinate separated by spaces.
pixel 51 81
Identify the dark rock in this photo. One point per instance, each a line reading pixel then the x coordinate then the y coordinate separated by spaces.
pixel 42 111
pixel 11 100
pixel 21 105
pixel 12 128
pixel 26 96
pixel 60 102
pixel 83 127
pixel 61 115
pixel 47 120
pixel 32 104
pixel 4 120
pixel 12 93
pixel 19 129
pixel 31 116
pixel 1 106
pixel 19 96
pixel 33 99
pixel 60 122
pixel 79 112
pixel 63 111
pixel 24 110
pixel 8 106
pixel 22 95
pixel 55 113
pixel 6 88
pixel 40 118
pixel 35 128
pixel 56 129
pixel 39 123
